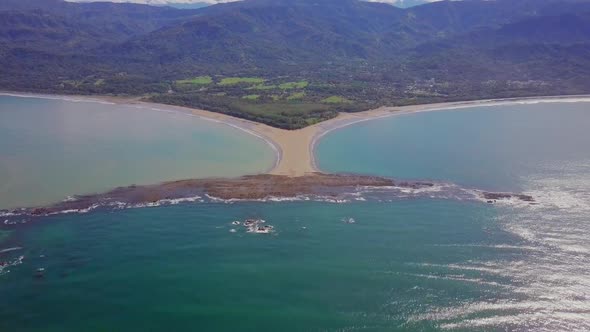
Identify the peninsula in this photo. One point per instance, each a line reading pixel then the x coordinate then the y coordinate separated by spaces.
pixel 294 173
pixel 295 148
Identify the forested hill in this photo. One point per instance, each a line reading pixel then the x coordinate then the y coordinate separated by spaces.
pixel 291 63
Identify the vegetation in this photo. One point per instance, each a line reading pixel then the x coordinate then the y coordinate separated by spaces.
pixel 200 80
pixel 336 100
pixel 296 96
pixel 263 87
pixel 294 85
pixel 238 80
pixel 335 56
pixel 277 113
pixel 251 97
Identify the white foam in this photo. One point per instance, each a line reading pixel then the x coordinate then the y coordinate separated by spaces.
pixel 58 97
pixel 70 199
pixel 15 262
pixel 14 222
pixel 80 211
pixel 10 249
pixel 281 199
pixel 162 202
pixel 491 246
pixel 550 284
pixel 461 278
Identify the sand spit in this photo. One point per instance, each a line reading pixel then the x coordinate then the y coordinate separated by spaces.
pixel 295 148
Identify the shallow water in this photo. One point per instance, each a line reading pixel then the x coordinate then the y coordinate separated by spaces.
pixel 414 263
pixel 51 148
pixel 490 148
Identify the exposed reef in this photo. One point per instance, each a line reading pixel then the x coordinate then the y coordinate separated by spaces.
pixel 491 197
pixel 244 188
pixel 327 187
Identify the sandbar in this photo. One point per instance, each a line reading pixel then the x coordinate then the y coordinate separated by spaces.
pixel 295 148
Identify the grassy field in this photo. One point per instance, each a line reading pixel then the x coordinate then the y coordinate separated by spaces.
pixel 336 100
pixel 294 85
pixel 269 100
pixel 201 80
pixel 251 97
pixel 296 96
pixel 284 114
pixel 263 87
pixel 239 80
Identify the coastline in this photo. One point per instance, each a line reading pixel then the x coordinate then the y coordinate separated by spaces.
pixel 295 149
pixel 347 119
pixel 237 123
pixel 322 187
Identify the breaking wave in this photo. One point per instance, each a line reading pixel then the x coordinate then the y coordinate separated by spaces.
pixel 442 191
pixel 549 284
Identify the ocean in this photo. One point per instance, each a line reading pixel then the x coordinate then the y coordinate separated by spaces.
pixel 421 262
pixel 53 148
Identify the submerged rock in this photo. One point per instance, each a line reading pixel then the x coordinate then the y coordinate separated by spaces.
pixel 492 197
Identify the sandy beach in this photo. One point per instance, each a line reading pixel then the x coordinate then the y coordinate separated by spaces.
pixel 295 148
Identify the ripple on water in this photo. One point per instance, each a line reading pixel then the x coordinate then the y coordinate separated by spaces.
pixel 549 286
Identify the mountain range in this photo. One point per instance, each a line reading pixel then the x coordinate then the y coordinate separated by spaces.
pixel 204 3
pixel 372 53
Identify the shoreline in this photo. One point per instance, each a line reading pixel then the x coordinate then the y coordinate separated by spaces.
pixel 226 120
pixel 295 149
pixel 347 119
pixel 322 187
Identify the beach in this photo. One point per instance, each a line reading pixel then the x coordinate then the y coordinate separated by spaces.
pixel 294 149
pixel 54 148
pixel 470 219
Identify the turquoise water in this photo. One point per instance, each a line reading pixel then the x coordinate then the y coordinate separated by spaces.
pixel 50 149
pixel 489 148
pixel 179 268
pixel 411 264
